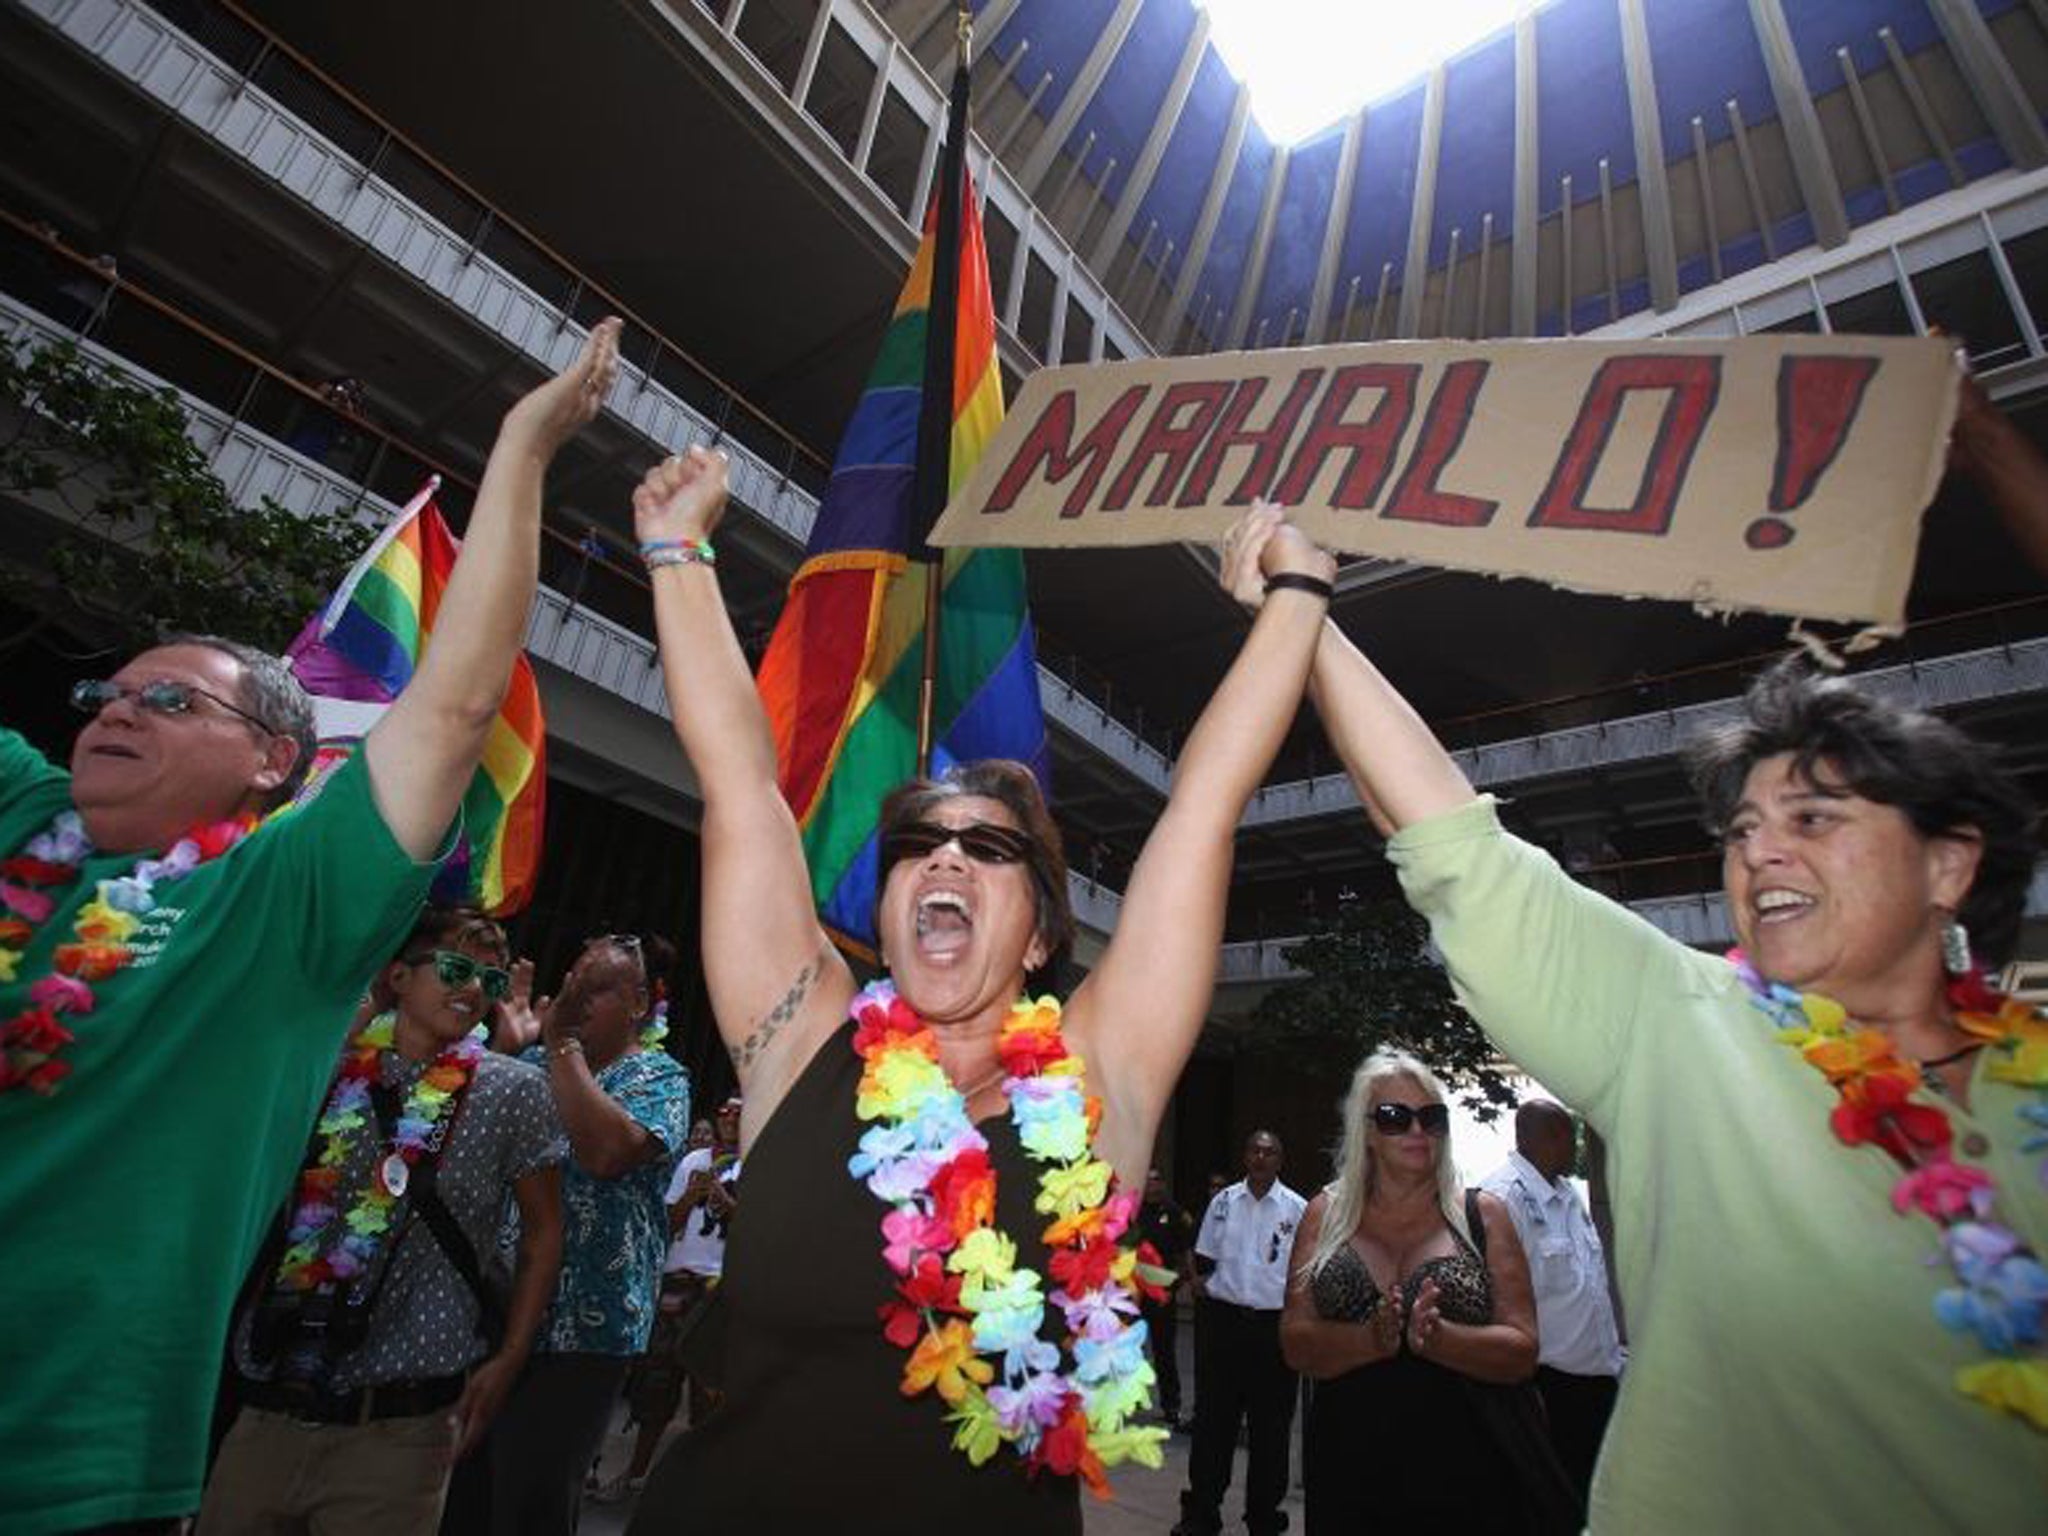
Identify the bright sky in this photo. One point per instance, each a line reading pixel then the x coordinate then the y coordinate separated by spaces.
pixel 1308 62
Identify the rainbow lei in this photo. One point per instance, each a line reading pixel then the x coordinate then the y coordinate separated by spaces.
pixel 2001 1290
pixel 31 1040
pixel 964 1308
pixel 422 1122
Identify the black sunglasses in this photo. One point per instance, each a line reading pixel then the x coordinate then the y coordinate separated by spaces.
pixel 1394 1119
pixel 455 969
pixel 163 697
pixel 982 841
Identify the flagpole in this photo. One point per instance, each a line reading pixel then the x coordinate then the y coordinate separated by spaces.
pixel 935 422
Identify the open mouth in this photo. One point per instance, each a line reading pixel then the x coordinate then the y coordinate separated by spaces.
pixel 945 923
pixel 1780 906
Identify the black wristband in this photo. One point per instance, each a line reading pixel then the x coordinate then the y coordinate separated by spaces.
pixel 1298 581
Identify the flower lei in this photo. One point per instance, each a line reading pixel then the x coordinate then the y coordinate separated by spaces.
pixel 656 1028
pixel 2001 1294
pixel 422 1122
pixel 30 1042
pixel 960 1294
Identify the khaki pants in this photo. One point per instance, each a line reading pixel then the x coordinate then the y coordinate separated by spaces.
pixel 277 1476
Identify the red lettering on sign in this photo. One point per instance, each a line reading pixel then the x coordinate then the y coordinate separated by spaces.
pixel 1818 400
pixel 1372 443
pixel 1050 447
pixel 1692 384
pixel 1267 443
pixel 1183 418
pixel 1417 497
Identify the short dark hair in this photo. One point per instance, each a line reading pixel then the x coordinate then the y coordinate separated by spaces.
pixel 444 927
pixel 1944 782
pixel 272 692
pixel 1015 787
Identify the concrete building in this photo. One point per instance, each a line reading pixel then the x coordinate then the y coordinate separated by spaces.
pixel 432 200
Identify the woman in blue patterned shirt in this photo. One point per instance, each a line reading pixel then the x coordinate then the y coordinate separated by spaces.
pixel 625 1105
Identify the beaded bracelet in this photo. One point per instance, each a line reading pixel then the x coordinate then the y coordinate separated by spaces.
pixel 659 552
pixel 1300 581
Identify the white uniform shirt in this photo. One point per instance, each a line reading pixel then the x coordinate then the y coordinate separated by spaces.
pixel 700 1246
pixel 1250 1238
pixel 1574 1315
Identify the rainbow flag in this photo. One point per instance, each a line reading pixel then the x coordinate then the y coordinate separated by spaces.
pixel 361 650
pixel 842 673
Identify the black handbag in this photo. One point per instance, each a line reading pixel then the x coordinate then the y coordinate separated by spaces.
pixel 1513 1414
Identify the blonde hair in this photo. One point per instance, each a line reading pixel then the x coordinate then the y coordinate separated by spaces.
pixel 1344 1196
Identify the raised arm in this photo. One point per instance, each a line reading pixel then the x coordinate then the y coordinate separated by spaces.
pixel 422 754
pixel 1137 1015
pixel 1399 768
pixel 2011 470
pixel 775 982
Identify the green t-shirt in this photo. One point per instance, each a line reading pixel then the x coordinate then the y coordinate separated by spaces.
pixel 133 1199
pixel 1786 1370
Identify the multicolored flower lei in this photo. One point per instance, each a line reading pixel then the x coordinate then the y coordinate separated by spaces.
pixel 655 1030
pixel 967 1312
pixel 31 1040
pixel 2001 1294
pixel 429 1105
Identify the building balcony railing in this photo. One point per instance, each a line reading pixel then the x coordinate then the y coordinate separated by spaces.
pixel 664 396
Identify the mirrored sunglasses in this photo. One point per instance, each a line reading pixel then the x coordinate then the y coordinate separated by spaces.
pixel 163 697
pixel 459 970
pixel 984 842
pixel 1394 1119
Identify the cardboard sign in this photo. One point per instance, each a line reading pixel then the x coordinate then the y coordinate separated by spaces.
pixel 1780 473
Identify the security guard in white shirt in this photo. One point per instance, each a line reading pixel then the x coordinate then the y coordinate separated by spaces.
pixel 1579 1368
pixel 1241 1257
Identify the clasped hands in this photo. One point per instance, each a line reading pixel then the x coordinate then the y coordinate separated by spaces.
pixel 1262 544
pixel 1420 1323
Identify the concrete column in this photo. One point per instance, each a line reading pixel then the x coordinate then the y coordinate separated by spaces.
pixel 1262 243
pixel 1212 209
pixel 1422 214
pixel 1528 196
pixel 1819 188
pixel 1334 227
pixel 1660 244
pixel 1079 94
pixel 1164 123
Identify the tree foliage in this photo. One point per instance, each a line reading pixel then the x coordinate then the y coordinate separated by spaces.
pixel 149 541
pixel 1371 981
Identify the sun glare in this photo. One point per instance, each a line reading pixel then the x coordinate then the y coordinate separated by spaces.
pixel 1308 62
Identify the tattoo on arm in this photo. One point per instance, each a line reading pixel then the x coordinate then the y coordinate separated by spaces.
pixel 785 1010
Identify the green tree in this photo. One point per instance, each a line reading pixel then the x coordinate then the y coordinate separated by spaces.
pixel 146 540
pixel 1370 981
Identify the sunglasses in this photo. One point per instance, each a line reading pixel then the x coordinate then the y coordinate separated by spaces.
pixel 164 697
pixel 459 970
pixel 984 842
pixel 1394 1119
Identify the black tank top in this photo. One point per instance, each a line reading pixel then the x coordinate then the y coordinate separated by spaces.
pixel 815 1434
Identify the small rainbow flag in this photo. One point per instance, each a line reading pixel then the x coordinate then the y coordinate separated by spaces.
pixel 841 677
pixel 361 650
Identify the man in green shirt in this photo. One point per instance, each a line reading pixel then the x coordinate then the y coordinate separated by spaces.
pixel 172 994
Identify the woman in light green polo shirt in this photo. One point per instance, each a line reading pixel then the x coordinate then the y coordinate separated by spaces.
pixel 1827 1213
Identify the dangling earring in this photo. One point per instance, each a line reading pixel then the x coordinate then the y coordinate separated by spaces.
pixel 1955 948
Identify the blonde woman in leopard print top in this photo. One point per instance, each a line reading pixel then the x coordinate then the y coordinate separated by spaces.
pixel 1394 1304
